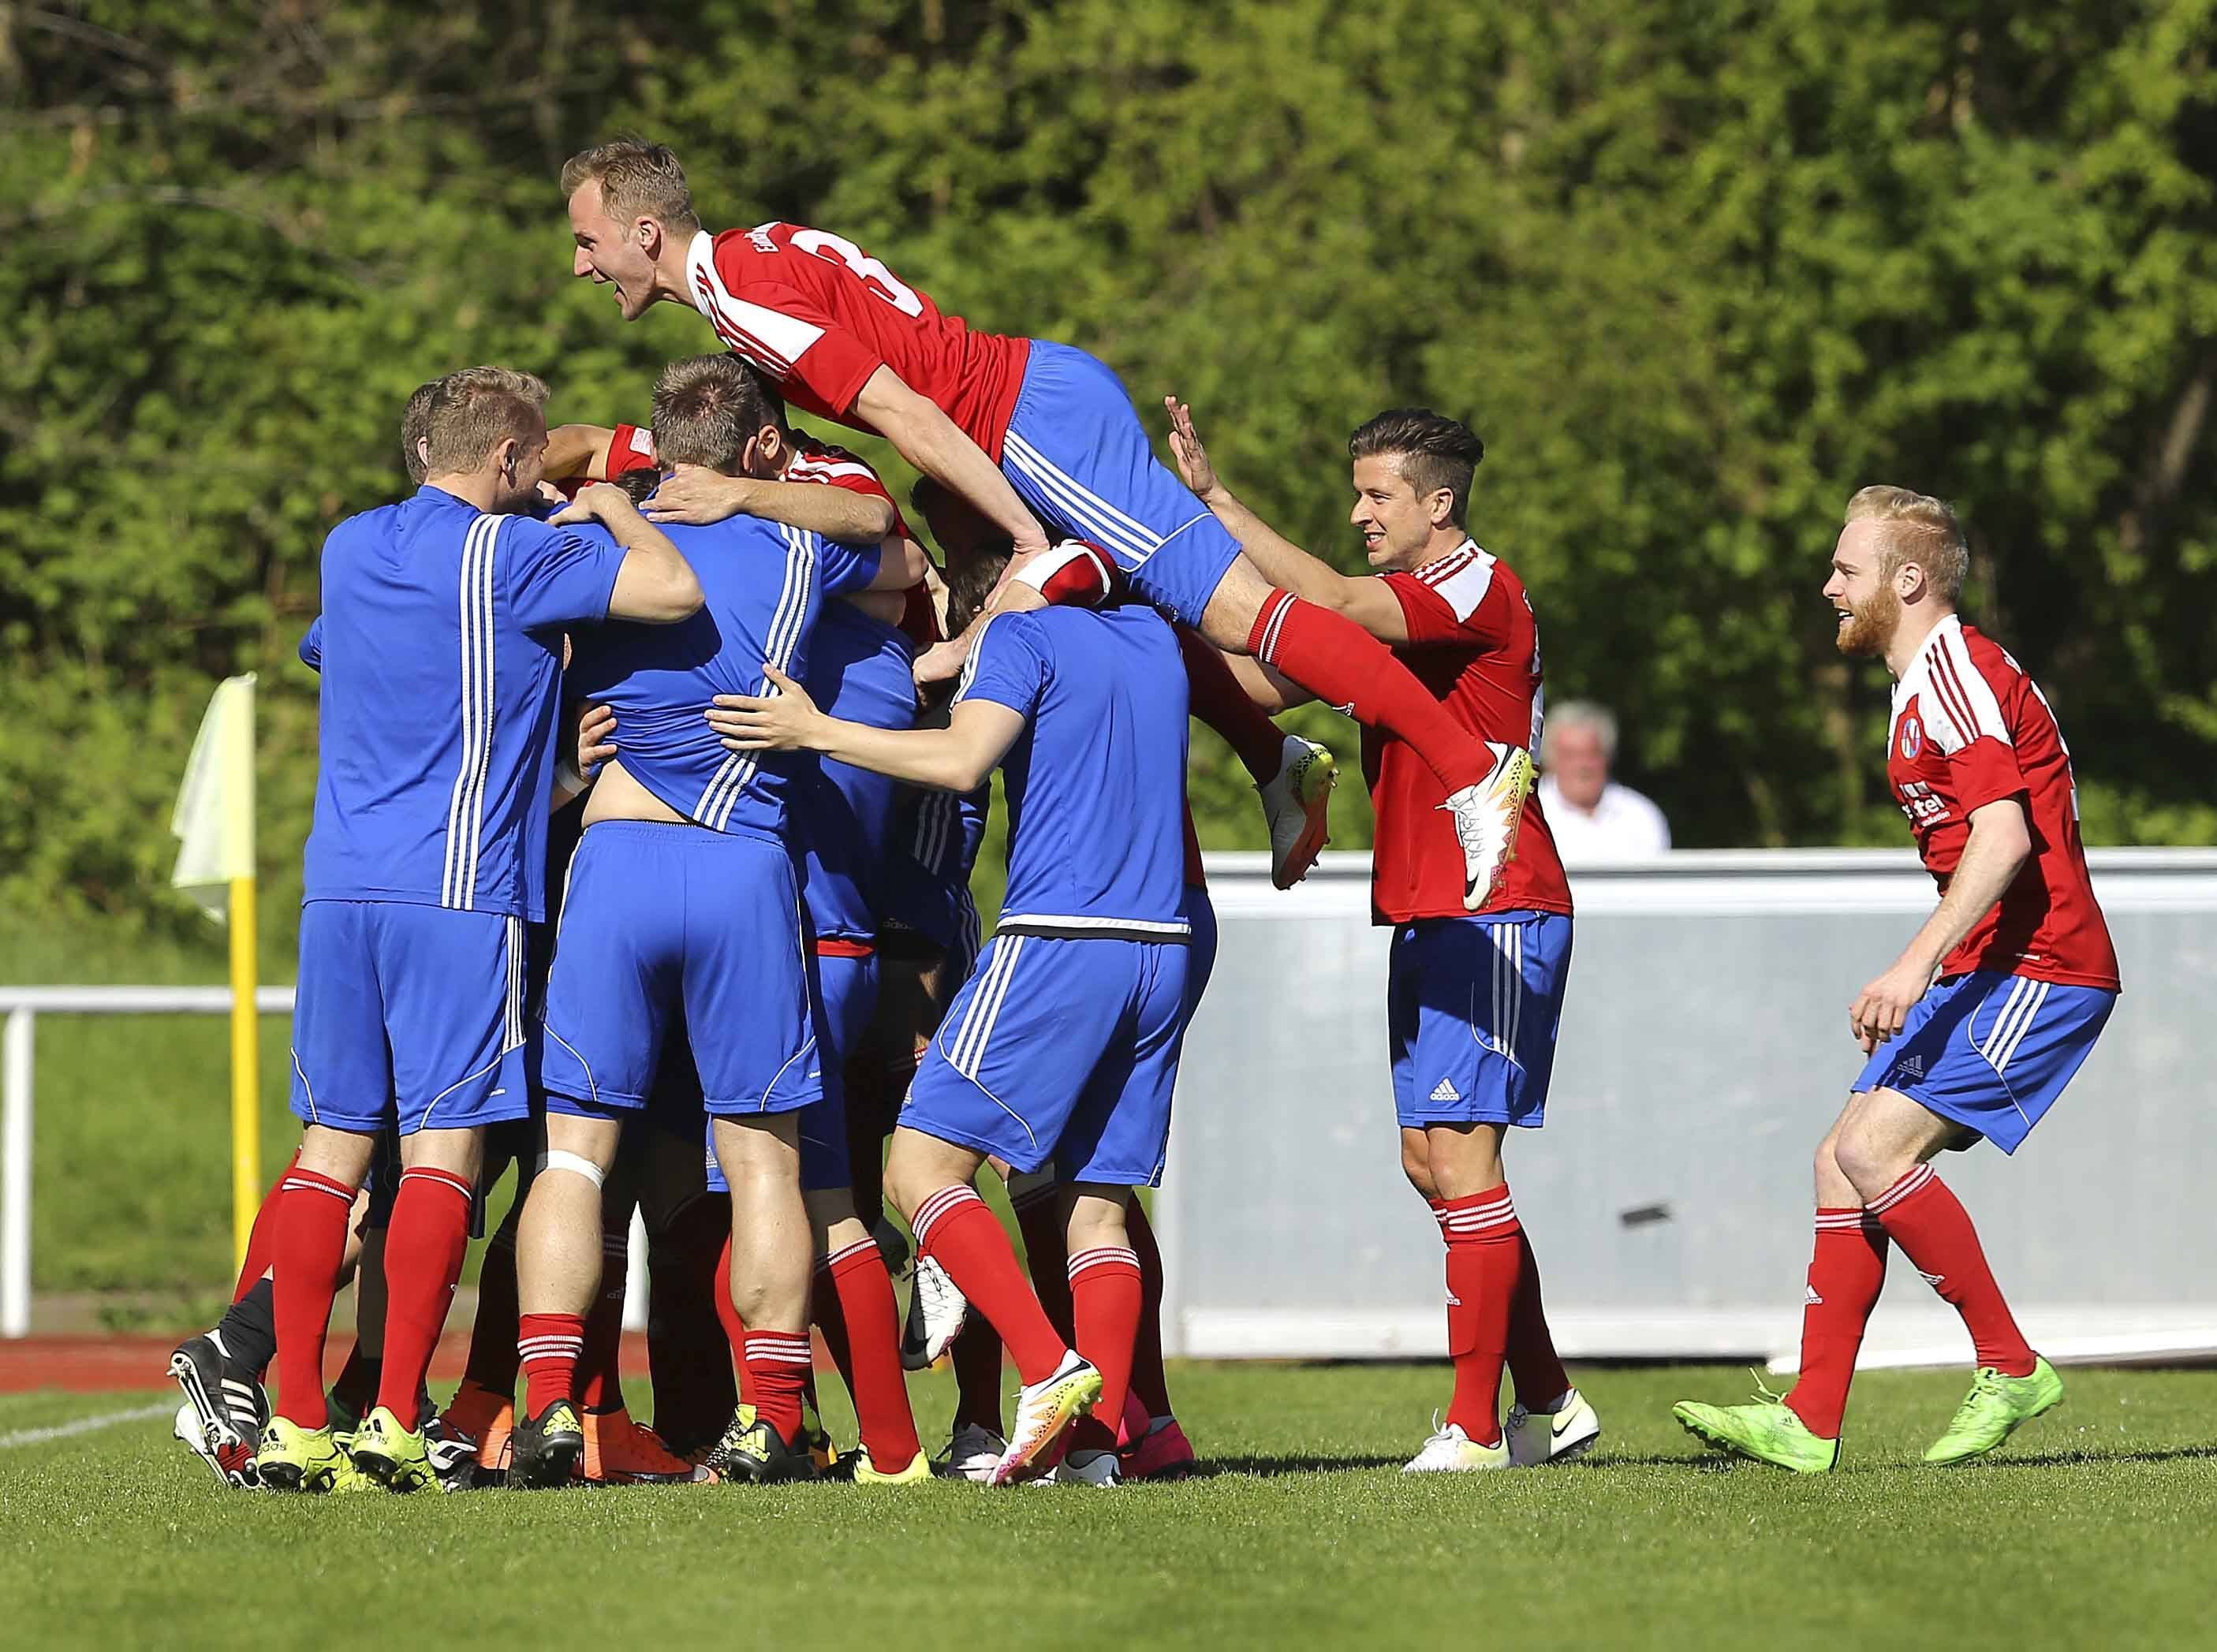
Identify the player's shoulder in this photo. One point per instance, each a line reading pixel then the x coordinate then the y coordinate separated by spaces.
pixel 1462 579
pixel 815 460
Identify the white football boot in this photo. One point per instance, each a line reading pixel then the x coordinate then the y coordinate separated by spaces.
pixel 1486 816
pixel 1296 802
pixel 971 1454
pixel 1562 1435
pixel 936 1310
pixel 1453 1451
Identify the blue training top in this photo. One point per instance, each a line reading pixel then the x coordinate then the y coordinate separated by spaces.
pixel 440 646
pixel 1096 783
pixel 765 584
pixel 862 669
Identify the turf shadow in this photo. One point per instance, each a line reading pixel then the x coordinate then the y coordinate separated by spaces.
pixel 1265 1467
pixel 2089 1459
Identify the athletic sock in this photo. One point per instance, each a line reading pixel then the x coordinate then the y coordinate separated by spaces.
pixel 1038 1211
pixel 778 1364
pixel 1535 1367
pixel 1342 664
pixel 423 1251
pixel 261 1237
pixel 355 1389
pixel 976 1357
pixel 312 1219
pixel 859 1300
pixel 548 1345
pixel 1148 1381
pixel 1934 1232
pixel 1847 1269
pixel 492 1363
pixel 247 1333
pixel 1213 695
pixel 1485 1261
pixel 956 1228
pixel 600 1383
pixel 1105 1293
pixel 735 1328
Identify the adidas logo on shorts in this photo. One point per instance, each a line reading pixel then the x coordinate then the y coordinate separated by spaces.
pixel 1446 1091
pixel 1911 1067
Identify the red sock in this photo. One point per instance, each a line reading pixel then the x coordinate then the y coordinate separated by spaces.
pixel 600 1384
pixel 976 1357
pixel 1846 1271
pixel 1214 696
pixel 735 1328
pixel 1342 664
pixel 1039 1219
pixel 1934 1232
pixel 955 1229
pixel 261 1237
pixel 492 1363
pixel 778 1364
pixel 1485 1261
pixel 862 1302
pixel 1104 1295
pixel 313 1214
pixel 1148 1381
pixel 1534 1366
pixel 423 1259
pixel 548 1345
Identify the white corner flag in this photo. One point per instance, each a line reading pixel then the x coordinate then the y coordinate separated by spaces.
pixel 214 818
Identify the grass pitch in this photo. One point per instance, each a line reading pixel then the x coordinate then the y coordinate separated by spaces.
pixel 2093 1528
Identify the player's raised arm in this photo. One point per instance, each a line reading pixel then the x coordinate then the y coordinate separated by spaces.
pixel 923 435
pixel 696 495
pixel 1366 602
pixel 654 584
pixel 579 450
pixel 956 758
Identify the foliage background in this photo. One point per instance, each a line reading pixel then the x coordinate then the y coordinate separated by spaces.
pixel 1694 268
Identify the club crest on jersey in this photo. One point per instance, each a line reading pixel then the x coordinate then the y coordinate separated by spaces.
pixel 1912 739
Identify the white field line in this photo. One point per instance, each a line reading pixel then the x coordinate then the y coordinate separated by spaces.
pixel 84 1425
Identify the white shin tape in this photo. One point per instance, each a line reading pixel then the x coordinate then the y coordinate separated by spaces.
pixel 555 1159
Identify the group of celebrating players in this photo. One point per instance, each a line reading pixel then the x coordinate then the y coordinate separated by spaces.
pixel 697 684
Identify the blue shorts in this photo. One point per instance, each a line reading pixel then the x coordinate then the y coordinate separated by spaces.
pixel 1201 945
pixel 847 995
pixel 1077 454
pixel 1061 1052
pixel 1471 1007
pixel 410 1015
pixel 1990 1051
pixel 664 919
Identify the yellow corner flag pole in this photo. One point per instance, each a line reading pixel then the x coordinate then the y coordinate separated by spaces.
pixel 214 821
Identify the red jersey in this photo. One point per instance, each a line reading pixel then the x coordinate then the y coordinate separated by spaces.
pixel 1474 642
pixel 819 317
pixel 630 448
pixel 1970 728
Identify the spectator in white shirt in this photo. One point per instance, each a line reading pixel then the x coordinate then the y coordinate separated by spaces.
pixel 1593 818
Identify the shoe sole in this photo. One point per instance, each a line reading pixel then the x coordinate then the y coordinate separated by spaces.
pixel 1315 834
pixel 215 1426
pixel 1987 1451
pixel 1733 1448
pixel 1570 1454
pixel 551 1470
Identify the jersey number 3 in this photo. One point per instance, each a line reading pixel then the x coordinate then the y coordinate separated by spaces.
pixel 838 249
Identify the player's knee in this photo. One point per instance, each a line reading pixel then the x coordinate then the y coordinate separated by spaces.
pixel 1417 1165
pixel 1867 1164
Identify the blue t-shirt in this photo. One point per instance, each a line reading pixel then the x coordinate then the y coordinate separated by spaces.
pixel 935 840
pixel 440 649
pixel 1096 783
pixel 766 584
pixel 860 669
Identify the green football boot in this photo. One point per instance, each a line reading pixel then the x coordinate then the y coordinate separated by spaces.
pixel 294 1459
pixel 1996 1407
pixel 394 1457
pixel 1764 1429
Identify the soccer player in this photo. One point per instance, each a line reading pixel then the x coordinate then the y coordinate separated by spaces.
pixel 440 637
pixel 683 898
pixel 1064 1047
pixel 1976 1028
pixel 1473 1000
pixel 1028 431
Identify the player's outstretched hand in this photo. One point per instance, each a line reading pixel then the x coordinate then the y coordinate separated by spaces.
pixel 694 494
pixel 785 721
pixel 1881 1008
pixel 596 739
pixel 941 662
pixel 601 502
pixel 1194 466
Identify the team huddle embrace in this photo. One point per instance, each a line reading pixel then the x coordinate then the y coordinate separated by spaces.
pixel 654 762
